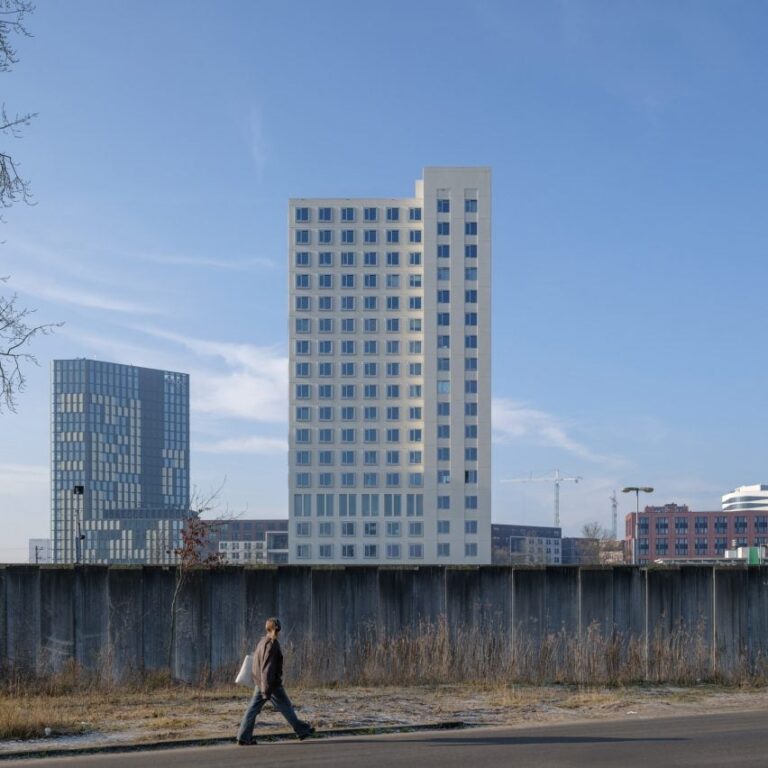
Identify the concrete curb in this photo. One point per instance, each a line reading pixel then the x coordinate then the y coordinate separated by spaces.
pixel 218 741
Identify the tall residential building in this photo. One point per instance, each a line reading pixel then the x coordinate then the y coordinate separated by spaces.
pixel 119 462
pixel 390 375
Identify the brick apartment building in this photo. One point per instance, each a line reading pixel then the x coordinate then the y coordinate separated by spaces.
pixel 674 531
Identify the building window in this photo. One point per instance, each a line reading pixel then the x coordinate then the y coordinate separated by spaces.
pixel 470 228
pixel 370 236
pixel 371 550
pixel 302 551
pixel 443 205
pixel 302 214
pixel 470 206
pixel 325 214
pixel 302 259
pixel 443 251
pixel 371 214
pixel 470 550
pixel 443 228
pixel 393 214
pixel 444 549
pixel 470 527
pixel 347 214
pixel 348 551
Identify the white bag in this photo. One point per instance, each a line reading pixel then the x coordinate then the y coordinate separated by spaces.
pixel 245 675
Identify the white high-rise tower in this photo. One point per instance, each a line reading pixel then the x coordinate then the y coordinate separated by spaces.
pixel 390 378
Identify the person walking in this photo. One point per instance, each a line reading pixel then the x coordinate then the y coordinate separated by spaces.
pixel 268 676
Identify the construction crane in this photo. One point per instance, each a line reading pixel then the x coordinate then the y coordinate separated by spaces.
pixel 555 478
pixel 614 506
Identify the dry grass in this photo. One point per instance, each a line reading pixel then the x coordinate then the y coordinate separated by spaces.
pixel 35 718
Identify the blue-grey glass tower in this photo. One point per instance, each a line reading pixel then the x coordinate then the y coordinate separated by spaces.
pixel 119 462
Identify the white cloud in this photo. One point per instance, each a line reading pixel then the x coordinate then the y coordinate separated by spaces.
pixel 76 296
pixel 254 444
pixel 256 387
pixel 234 265
pixel 513 421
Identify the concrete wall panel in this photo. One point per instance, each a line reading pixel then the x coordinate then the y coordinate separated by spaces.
pixel 92 617
pixel 23 617
pixel 126 621
pixel 57 618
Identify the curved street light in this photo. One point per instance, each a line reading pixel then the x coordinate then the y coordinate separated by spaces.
pixel 636 489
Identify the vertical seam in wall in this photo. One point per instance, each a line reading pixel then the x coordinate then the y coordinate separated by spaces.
pixel 647 626
pixel 714 620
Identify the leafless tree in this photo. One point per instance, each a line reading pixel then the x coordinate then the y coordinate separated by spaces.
pixel 16 332
pixel 599 543
pixel 13 187
pixel 194 551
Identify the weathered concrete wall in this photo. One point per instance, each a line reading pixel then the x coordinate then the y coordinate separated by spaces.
pixel 121 621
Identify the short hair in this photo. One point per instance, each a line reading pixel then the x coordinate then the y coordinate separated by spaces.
pixel 273 623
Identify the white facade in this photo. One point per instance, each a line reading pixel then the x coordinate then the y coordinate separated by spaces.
pixel 390 375
pixel 746 498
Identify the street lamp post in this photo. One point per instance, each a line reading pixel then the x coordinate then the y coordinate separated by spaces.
pixel 78 490
pixel 636 490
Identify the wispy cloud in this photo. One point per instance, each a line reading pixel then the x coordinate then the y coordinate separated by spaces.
pixel 255 388
pixel 62 294
pixel 254 444
pixel 513 421
pixel 232 265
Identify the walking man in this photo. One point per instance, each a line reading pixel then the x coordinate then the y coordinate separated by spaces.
pixel 268 676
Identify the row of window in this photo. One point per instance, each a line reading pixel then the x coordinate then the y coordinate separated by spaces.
pixel 393 551
pixel 370 504
pixel 349 259
pixel 350 213
pixel 303 435
pixel 374 370
pixel 349 304
pixel 372 529
pixel 326 458
pixel 373 480
pixel 371 392
pixel 325 213
pixel 371 236
pixel 347 281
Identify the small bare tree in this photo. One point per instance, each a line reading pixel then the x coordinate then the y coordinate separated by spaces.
pixel 16 332
pixel 598 542
pixel 194 551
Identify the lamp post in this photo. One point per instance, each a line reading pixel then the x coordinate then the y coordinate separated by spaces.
pixel 636 490
pixel 78 490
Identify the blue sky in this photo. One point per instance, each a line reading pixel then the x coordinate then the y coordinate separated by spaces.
pixel 627 142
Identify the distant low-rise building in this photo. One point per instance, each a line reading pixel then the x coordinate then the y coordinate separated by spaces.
pixel 674 531
pixel 39 551
pixel 525 544
pixel 250 541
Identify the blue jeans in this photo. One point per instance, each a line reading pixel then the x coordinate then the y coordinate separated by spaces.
pixel 281 703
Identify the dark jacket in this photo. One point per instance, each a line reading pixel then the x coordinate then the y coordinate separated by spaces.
pixel 268 665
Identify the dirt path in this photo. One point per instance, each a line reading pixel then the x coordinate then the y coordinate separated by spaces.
pixel 177 713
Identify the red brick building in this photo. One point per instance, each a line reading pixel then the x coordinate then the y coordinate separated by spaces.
pixel 678 532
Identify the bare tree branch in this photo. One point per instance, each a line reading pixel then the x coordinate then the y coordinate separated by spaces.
pixel 13 186
pixel 16 332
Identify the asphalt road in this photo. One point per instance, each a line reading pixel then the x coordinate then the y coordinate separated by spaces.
pixel 735 739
